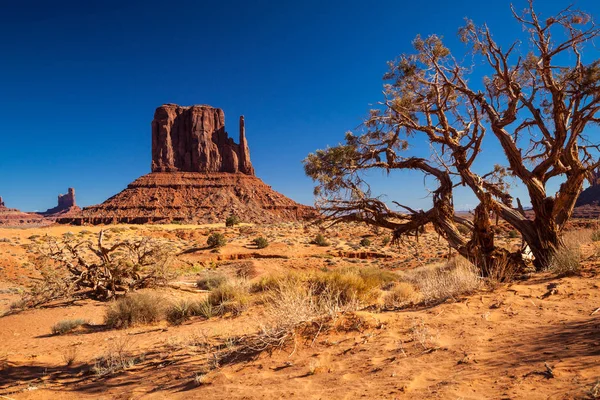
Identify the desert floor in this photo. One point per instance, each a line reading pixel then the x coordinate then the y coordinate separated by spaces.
pixel 535 338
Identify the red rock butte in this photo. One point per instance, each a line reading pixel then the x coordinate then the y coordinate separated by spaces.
pixel 199 175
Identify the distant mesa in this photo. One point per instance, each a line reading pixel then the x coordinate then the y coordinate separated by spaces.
pixel 199 175
pixel 15 218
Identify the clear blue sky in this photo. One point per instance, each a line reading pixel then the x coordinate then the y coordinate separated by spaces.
pixel 79 82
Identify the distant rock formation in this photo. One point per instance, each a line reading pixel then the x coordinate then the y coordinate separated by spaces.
pixel 199 175
pixel 193 139
pixel 12 217
pixel 66 205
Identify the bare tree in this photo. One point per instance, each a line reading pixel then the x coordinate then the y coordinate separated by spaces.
pixel 536 104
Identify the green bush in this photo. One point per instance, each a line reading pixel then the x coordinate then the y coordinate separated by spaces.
pixel 261 242
pixel 232 220
pixel 134 309
pixel 386 240
pixel 513 234
pixel 216 240
pixel 365 242
pixel 320 240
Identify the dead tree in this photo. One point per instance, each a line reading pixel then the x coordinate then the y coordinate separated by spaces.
pixel 96 269
pixel 535 103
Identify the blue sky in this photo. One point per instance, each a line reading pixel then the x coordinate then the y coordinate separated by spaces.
pixel 79 82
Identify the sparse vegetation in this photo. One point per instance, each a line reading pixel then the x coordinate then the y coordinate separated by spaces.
pixel 513 234
pixel 566 261
pixel 229 297
pixel 135 309
pixel 365 242
pixel 232 220
pixel 320 240
pixel 438 283
pixel 260 242
pixel 216 240
pixel 67 326
pixel 596 236
pixel 116 358
pixel 211 281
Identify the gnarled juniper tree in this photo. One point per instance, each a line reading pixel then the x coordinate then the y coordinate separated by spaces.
pixel 536 104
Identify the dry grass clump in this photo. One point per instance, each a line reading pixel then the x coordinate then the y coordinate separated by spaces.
pixel 438 283
pixel 229 297
pixel 211 281
pixel 116 358
pixel 400 295
pixel 135 309
pixel 66 326
pixel 566 261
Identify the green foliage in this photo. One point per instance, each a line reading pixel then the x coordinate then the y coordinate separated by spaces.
pixel 365 242
pixel 232 220
pixel 261 242
pixel 513 234
pixel 386 240
pixel 320 240
pixel 216 240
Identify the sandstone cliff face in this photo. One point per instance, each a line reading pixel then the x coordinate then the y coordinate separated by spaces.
pixel 193 139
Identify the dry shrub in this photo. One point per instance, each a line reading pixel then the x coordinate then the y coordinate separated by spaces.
pixel 566 261
pixel 66 326
pixel 400 295
pixel 438 283
pixel 135 309
pixel 69 354
pixel 229 297
pixel 116 358
pixel 181 310
pixel 211 281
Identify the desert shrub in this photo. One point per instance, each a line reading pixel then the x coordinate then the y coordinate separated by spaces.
pixel 205 309
pixel 438 283
pixel 401 294
pixel 274 281
pixel 211 281
pixel 513 234
pixel 595 236
pixel 386 240
pixel 66 326
pixel 260 242
pixel 566 261
pixel 346 286
pixel 365 242
pixel 232 220
pixel 320 240
pixel 216 240
pixel 181 310
pixel 116 358
pixel 229 298
pixel 134 309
